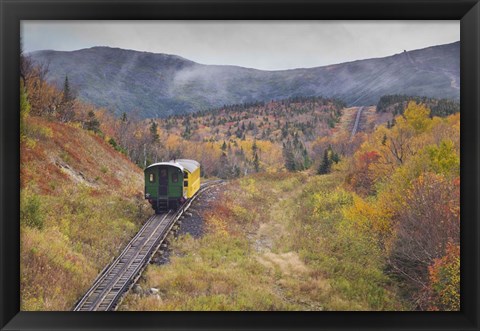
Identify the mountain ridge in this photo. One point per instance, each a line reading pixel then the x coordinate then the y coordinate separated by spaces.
pixel 158 85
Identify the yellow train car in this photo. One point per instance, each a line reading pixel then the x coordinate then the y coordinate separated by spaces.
pixel 191 176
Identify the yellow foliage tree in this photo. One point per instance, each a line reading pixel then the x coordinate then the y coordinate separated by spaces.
pixel 417 116
pixel 372 217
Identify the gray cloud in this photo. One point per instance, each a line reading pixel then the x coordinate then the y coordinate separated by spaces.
pixel 267 45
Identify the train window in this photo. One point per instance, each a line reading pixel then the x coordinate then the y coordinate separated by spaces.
pixel 185 183
pixel 175 177
pixel 163 173
pixel 185 174
pixel 151 178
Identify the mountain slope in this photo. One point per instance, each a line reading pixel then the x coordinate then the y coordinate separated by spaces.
pixel 81 202
pixel 161 85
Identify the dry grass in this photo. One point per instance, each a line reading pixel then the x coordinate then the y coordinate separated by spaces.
pixel 275 242
pixel 288 263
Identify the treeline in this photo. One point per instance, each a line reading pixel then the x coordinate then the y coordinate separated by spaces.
pixel 287 102
pixel 46 100
pixel 397 103
pixel 273 121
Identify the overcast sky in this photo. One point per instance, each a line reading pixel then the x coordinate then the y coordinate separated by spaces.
pixel 268 45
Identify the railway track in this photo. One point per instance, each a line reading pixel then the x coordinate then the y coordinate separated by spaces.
pixel 118 277
pixel 357 121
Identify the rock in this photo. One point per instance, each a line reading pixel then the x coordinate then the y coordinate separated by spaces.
pixel 137 289
pixel 189 214
pixel 158 297
pixel 154 291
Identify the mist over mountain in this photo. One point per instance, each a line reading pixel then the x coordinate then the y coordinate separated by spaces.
pixel 158 85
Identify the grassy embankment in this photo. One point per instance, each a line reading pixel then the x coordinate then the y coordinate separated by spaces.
pixel 274 242
pixel 81 201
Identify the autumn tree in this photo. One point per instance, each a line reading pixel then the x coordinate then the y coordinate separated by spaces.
pixel 45 99
pixel 25 64
pixel 24 109
pixel 362 176
pixel 444 279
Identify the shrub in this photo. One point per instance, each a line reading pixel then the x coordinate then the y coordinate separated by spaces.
pixel 31 213
pixel 428 221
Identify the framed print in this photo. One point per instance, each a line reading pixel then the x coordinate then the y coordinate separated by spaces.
pixel 239 165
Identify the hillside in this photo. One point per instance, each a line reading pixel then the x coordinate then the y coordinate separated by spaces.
pixel 274 121
pixel 81 201
pixel 158 85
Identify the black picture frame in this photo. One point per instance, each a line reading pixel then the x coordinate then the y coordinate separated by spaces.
pixel 13 11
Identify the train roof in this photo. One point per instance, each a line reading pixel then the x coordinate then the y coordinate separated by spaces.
pixel 189 165
pixel 170 164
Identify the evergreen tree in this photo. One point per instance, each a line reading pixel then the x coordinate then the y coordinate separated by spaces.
pixel 236 171
pixel 67 94
pixel 65 110
pixel 306 160
pixel 256 162
pixel 238 133
pixel 325 165
pixel 153 131
pixel 224 146
pixel 92 123
pixel 254 146
pixel 187 133
pixel 384 140
pixel 335 158
pixel 223 171
pixel 288 156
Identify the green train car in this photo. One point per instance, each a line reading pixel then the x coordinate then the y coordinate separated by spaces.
pixel 169 184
